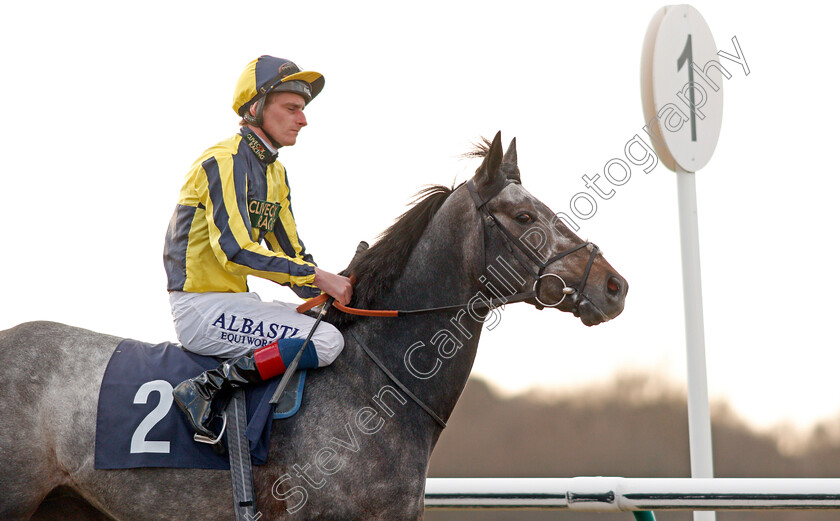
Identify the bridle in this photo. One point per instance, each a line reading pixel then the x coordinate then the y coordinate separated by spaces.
pixel 489 222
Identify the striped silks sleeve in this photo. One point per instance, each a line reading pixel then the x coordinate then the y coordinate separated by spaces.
pixel 222 189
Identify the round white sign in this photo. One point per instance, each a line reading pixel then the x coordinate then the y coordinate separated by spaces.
pixel 682 90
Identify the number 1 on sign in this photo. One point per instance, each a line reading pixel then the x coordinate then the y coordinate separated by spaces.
pixel 687 57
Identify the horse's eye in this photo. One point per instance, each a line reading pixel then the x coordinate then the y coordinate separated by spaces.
pixel 524 218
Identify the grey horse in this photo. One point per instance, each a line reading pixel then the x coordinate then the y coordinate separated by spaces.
pixel 360 446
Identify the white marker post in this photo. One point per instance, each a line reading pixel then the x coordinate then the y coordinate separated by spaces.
pixel 682 99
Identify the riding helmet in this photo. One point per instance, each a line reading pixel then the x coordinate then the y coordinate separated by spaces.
pixel 269 74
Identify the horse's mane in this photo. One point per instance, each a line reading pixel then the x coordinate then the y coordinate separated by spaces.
pixel 377 269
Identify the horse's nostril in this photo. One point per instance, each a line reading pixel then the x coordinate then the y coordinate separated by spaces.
pixel 613 286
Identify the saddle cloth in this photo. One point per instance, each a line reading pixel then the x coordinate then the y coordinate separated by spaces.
pixel 139 425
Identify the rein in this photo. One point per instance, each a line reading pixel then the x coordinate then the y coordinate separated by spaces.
pixel 398 383
pixel 393 313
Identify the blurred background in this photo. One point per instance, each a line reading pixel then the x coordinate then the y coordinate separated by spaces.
pixel 633 426
pixel 107 104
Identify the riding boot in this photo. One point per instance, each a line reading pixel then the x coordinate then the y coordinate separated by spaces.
pixel 204 397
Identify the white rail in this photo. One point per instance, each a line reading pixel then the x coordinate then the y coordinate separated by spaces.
pixel 614 494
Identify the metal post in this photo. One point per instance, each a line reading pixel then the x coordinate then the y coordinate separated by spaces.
pixel 699 421
pixel 616 494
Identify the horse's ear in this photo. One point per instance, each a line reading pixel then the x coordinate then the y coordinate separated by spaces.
pixel 510 155
pixel 489 174
pixel 510 166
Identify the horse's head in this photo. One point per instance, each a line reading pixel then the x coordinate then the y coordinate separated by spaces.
pixel 528 248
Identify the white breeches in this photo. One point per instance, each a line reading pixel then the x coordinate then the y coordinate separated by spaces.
pixel 232 324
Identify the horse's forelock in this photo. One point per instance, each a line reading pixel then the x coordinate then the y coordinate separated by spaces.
pixel 479 149
pixel 509 167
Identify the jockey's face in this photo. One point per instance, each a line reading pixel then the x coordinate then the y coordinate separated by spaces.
pixel 283 117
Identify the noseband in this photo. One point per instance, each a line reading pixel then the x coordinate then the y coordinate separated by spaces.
pixel 490 222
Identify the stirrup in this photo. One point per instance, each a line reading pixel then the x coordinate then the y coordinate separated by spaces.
pixel 205 439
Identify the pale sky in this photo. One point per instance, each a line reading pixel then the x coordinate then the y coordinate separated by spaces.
pixel 107 105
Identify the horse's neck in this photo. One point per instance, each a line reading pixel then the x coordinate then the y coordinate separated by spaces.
pixel 433 353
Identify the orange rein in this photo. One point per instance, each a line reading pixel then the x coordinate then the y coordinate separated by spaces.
pixel 317 301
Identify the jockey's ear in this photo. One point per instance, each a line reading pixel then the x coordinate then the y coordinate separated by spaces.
pixel 489 178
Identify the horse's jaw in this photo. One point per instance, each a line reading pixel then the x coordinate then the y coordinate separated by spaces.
pixel 589 314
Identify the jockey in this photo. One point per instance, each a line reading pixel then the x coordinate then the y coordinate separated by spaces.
pixel 234 219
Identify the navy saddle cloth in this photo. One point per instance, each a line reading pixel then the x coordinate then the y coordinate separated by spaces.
pixel 139 425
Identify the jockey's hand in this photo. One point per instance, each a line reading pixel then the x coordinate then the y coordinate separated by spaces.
pixel 334 285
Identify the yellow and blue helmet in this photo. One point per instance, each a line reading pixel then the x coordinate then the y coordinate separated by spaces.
pixel 269 74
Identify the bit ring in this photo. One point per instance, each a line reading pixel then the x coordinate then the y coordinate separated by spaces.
pixel 566 290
